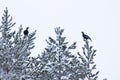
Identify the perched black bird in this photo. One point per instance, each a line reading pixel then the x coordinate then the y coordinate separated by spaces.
pixel 86 37
pixel 26 31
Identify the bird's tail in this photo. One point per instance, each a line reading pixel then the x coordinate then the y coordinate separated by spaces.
pixel 90 39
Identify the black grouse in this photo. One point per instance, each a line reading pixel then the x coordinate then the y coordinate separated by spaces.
pixel 26 31
pixel 86 36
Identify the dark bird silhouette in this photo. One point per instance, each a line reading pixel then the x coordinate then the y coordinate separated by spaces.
pixel 86 37
pixel 26 31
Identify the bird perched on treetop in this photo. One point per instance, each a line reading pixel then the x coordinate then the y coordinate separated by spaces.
pixel 86 37
pixel 26 31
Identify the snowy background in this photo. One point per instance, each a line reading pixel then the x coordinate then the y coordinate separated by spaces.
pixel 100 19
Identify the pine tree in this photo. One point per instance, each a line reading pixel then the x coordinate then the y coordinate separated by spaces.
pixel 14 50
pixel 57 62
pixel 88 72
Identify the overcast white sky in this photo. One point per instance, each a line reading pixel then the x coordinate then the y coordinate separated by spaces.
pixel 98 18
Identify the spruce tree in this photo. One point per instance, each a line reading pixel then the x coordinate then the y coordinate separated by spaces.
pixel 58 63
pixel 14 49
pixel 87 60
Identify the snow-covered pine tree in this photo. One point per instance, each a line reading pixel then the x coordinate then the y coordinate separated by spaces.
pixel 57 62
pixel 14 50
pixel 89 71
